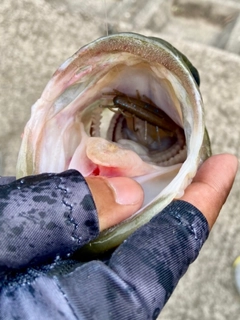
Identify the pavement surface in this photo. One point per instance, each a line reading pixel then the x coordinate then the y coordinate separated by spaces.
pixel 37 36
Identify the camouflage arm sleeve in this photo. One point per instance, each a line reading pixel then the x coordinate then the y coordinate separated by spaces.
pixel 134 284
pixel 143 272
pixel 44 217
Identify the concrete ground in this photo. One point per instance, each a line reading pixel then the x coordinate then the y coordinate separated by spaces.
pixel 36 36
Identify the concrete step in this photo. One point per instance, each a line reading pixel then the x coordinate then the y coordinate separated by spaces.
pixel 211 22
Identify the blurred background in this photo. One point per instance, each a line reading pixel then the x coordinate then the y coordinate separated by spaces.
pixel 37 36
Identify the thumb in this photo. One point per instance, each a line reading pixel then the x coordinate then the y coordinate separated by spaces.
pixel 211 185
pixel 116 199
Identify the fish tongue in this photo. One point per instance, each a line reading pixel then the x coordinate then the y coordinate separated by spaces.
pixel 97 156
pixel 112 160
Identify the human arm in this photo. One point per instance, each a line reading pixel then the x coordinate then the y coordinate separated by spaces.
pixel 143 272
pixel 136 282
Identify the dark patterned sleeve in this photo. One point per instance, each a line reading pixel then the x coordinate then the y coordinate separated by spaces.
pixel 44 217
pixel 143 272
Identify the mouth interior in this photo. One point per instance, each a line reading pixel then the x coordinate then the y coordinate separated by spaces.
pixel 101 137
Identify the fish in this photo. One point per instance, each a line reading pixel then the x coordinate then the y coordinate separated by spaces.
pixel 123 105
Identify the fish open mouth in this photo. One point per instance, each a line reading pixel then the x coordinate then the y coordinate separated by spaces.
pixel 126 121
pixel 124 105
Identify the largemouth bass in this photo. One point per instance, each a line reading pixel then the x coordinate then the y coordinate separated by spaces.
pixel 123 105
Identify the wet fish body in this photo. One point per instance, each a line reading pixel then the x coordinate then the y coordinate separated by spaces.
pixel 69 128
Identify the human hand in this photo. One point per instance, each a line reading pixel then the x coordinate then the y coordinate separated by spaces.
pixel 116 199
pixel 212 185
pixel 142 272
pixel 208 192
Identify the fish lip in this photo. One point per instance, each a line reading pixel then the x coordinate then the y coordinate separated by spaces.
pixel 142 46
pixel 153 51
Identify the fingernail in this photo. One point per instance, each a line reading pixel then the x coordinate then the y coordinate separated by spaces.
pixel 126 190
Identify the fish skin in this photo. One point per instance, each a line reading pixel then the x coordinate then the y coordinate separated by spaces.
pixel 86 64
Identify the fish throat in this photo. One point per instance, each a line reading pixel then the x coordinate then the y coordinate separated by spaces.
pixel 140 126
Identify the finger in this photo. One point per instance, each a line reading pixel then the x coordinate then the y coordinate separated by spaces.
pixel 211 185
pixel 116 199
